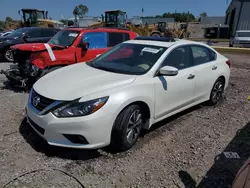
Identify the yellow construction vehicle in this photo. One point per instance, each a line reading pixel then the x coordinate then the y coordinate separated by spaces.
pixel 34 18
pixel 118 19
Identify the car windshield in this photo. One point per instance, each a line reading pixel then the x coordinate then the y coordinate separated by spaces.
pixel 64 38
pixel 18 33
pixel 243 34
pixel 128 58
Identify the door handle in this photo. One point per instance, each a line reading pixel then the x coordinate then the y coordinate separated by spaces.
pixel 191 76
pixel 214 67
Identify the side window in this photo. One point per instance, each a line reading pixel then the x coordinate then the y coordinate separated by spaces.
pixel 115 38
pixel 34 33
pixel 179 58
pixel 213 55
pixel 48 32
pixel 95 39
pixel 126 36
pixel 201 55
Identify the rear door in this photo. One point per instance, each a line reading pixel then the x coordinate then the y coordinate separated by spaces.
pixel 98 44
pixel 34 35
pixel 206 70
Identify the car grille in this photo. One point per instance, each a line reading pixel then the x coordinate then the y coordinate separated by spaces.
pixel 40 102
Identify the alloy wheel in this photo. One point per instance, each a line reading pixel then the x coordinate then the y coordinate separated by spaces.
pixel 9 55
pixel 217 91
pixel 134 126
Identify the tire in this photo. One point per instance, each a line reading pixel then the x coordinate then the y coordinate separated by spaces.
pixel 216 92
pixel 8 56
pixel 155 35
pixel 49 70
pixel 127 128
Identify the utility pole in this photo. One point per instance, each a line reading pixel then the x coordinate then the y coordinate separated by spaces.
pixel 188 16
pixel 174 18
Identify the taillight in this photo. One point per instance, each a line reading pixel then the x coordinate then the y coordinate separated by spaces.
pixel 228 63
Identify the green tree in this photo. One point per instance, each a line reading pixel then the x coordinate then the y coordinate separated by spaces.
pixel 80 10
pixel 203 14
pixel 8 19
pixel 179 17
pixel 65 22
pixel 2 25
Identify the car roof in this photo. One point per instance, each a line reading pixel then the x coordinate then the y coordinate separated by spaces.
pixel 97 29
pixel 243 31
pixel 164 43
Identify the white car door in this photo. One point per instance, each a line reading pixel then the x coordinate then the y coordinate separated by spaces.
pixel 175 92
pixel 206 71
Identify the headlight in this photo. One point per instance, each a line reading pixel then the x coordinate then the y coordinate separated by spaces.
pixel 76 109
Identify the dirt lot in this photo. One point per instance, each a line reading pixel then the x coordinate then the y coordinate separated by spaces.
pixel 184 151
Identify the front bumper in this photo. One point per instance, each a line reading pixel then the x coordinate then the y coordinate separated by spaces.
pixel 95 128
pixel 13 76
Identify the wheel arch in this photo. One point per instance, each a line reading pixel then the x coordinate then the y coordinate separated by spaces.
pixel 145 109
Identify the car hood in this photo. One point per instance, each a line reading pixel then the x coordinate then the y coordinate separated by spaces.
pixel 79 80
pixel 33 47
pixel 5 38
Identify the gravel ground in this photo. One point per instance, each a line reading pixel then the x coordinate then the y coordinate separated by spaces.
pixel 183 151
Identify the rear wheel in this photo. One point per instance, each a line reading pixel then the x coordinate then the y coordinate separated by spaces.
pixel 127 128
pixel 8 55
pixel 217 91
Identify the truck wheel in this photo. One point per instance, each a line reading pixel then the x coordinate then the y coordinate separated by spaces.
pixel 127 128
pixel 8 56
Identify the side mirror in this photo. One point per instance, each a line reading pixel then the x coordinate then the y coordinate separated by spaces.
pixel 84 45
pixel 168 71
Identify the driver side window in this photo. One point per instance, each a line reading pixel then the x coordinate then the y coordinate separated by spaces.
pixel 95 39
pixel 179 58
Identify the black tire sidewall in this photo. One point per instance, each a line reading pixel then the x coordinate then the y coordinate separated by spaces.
pixel 119 133
pixel 5 58
pixel 211 102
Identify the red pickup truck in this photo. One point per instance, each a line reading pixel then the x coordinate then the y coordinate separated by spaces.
pixel 68 46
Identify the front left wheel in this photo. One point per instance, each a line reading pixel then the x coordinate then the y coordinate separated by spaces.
pixel 127 128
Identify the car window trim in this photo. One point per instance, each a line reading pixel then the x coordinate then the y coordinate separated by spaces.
pixel 209 52
pixel 93 32
pixel 190 54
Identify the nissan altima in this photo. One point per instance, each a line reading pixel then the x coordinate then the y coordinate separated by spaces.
pixel 110 99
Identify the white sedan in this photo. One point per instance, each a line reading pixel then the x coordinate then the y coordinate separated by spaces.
pixel 109 100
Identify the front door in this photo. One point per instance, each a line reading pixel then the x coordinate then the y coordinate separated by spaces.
pixel 175 92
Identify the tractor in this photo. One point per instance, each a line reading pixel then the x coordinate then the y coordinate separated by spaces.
pixel 34 18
